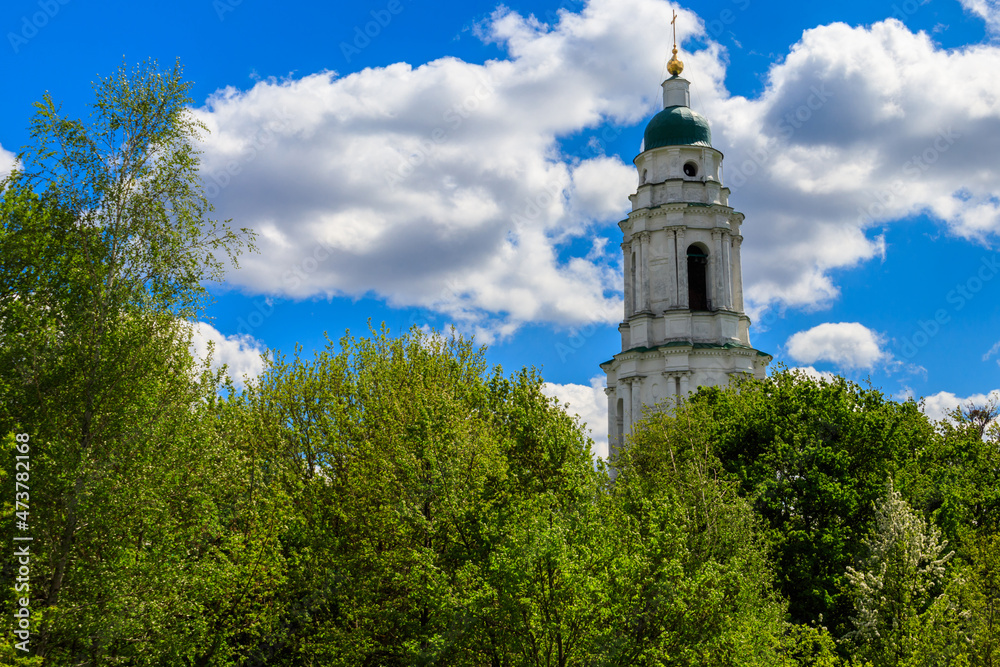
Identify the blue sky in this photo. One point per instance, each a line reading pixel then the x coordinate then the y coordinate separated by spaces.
pixel 467 163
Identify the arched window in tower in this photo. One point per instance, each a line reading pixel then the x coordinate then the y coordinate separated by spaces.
pixel 697 277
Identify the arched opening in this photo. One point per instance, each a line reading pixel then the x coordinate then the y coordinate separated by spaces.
pixel 645 173
pixel 697 277
pixel 690 169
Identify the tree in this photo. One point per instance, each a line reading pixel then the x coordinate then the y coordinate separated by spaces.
pixel 698 588
pixel 984 577
pixel 980 417
pixel 955 479
pixel 812 456
pixel 423 485
pixel 904 612
pixel 443 513
pixel 105 243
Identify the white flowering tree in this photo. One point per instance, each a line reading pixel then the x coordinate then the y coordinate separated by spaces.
pixel 906 612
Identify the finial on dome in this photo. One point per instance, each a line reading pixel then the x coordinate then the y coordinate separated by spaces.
pixel 675 66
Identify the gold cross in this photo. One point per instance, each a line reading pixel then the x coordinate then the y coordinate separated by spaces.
pixel 675 66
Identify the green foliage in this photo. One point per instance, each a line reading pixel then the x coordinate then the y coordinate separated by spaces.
pixel 812 457
pixel 983 576
pixel 904 614
pixel 129 182
pixel 143 550
pixel 704 595
pixel 447 514
pixel 955 478
pixel 426 490
pixel 809 646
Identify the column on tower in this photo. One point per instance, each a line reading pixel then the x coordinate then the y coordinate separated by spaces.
pixel 685 385
pixel 737 274
pixel 671 381
pixel 715 287
pixel 636 382
pixel 643 264
pixel 629 297
pixel 682 270
pixel 670 268
pixel 626 395
pixel 727 264
pixel 613 416
pixel 718 298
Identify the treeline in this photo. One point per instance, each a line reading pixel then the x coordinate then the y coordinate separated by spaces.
pixel 395 501
pixel 879 526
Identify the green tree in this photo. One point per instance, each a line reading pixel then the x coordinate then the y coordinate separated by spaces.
pixel 955 478
pixel 699 585
pixel 904 614
pixel 981 417
pixel 984 578
pixel 443 513
pixel 812 456
pixel 418 478
pixel 104 246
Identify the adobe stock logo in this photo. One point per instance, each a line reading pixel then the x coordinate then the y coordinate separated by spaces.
pixel 31 25
pixel 959 298
pixel 381 18
pixel 912 169
pixel 791 122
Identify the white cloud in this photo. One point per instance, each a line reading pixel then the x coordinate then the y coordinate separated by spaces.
pixel 240 353
pixel 590 403
pixel 442 185
pixel 857 128
pixel 941 404
pixel 846 344
pixel 7 160
pixel 988 10
pixel 993 350
pixel 809 371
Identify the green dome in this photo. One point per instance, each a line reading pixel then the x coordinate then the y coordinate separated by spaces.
pixel 677 126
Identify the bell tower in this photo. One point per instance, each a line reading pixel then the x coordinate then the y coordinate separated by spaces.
pixel 684 325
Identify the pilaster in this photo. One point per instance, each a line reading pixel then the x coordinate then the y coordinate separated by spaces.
pixel 627 262
pixel 715 266
pixel 643 262
pixel 670 266
pixel 682 270
pixel 737 274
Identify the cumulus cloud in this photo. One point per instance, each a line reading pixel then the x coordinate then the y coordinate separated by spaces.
pixel 442 185
pixel 943 403
pixel 809 371
pixel 858 127
pixel 846 344
pixel 6 162
pixel 241 354
pixel 988 10
pixel 590 403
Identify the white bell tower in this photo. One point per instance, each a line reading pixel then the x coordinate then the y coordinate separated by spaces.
pixel 684 323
